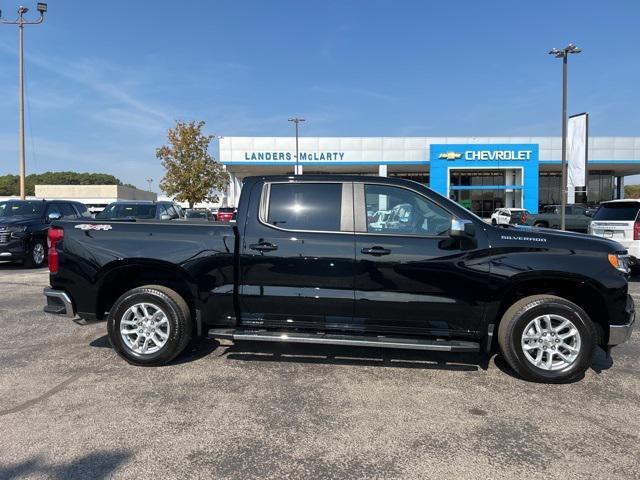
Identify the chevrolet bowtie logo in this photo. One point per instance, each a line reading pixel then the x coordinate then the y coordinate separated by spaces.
pixel 450 155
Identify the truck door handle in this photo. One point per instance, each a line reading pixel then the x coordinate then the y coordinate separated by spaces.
pixel 263 247
pixel 376 251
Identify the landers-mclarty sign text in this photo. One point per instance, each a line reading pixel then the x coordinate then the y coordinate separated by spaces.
pixel 291 157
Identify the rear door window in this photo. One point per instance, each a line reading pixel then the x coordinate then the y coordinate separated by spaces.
pixel 618 211
pixel 53 208
pixel 68 211
pixel 82 210
pixel 305 206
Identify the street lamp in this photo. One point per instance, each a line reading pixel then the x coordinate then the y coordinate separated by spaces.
pixel 149 180
pixel 564 54
pixel 21 22
pixel 297 120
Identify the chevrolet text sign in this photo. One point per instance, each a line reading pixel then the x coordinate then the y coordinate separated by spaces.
pixel 484 153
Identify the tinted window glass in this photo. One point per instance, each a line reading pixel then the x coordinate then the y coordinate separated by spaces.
pixel 53 208
pixel 196 214
pixel 305 206
pixel 172 212
pixel 401 211
pixel 128 210
pixel 67 210
pixel 617 211
pixel 82 210
pixel 17 207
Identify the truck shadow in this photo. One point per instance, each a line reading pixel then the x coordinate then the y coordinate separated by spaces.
pixel 600 363
pixel 19 267
pixel 354 356
pixel 95 465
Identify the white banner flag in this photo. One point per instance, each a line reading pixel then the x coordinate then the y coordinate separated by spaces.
pixel 577 127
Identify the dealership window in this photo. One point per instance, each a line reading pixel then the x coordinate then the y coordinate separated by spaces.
pixel 600 188
pixel 549 189
pixel 305 206
pixel 400 211
pixel 420 177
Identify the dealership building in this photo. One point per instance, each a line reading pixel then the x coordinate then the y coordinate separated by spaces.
pixel 481 173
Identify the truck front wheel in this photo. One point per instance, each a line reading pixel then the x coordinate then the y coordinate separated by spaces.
pixel 547 339
pixel 149 325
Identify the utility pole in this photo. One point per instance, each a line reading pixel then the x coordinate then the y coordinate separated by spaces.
pixel 21 22
pixel 297 120
pixel 149 180
pixel 564 54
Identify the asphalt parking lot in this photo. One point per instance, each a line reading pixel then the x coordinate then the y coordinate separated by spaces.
pixel 70 408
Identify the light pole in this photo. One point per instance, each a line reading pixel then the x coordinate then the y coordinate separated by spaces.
pixel 149 180
pixel 21 22
pixel 564 54
pixel 297 120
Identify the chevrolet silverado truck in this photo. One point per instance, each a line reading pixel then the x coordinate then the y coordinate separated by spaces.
pixel 577 218
pixel 304 263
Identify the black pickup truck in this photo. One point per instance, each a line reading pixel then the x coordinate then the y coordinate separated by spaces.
pixel 311 260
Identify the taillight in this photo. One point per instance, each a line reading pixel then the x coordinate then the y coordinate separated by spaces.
pixel 54 236
pixel 636 230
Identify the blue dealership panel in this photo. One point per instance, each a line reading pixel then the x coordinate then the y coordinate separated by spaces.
pixel 446 157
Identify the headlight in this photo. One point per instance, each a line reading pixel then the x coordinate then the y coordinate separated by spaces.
pixel 17 232
pixel 620 261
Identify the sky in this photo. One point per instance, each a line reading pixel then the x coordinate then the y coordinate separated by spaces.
pixel 105 80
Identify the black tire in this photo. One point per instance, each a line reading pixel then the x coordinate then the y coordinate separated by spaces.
pixel 541 225
pixel 178 315
pixel 493 222
pixel 516 318
pixel 29 260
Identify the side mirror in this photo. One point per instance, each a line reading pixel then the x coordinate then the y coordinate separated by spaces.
pixel 54 216
pixel 462 228
pixel 588 213
pixel 164 216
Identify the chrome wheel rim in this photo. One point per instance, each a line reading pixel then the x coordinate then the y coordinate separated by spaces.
pixel 144 328
pixel 551 342
pixel 38 253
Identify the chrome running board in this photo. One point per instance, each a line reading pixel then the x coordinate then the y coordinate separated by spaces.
pixel 379 341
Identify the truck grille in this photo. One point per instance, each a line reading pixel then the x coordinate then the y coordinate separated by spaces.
pixel 4 237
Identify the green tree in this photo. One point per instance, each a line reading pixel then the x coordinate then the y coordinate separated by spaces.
pixel 191 174
pixel 632 191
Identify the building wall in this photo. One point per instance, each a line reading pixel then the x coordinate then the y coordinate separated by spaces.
pixel 414 156
pixel 108 193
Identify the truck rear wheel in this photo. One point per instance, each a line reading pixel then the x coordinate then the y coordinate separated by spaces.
pixel 547 339
pixel 149 325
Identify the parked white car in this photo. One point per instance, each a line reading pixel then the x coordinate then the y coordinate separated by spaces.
pixel 618 220
pixel 509 216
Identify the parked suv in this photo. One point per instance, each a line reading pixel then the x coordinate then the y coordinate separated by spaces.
pixel 618 220
pixel 509 216
pixel 24 225
pixel 141 210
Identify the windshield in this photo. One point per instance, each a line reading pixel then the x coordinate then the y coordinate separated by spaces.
pixel 129 210
pixel 21 207
pixel 618 211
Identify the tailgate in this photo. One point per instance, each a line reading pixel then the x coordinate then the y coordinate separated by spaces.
pixel 619 231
